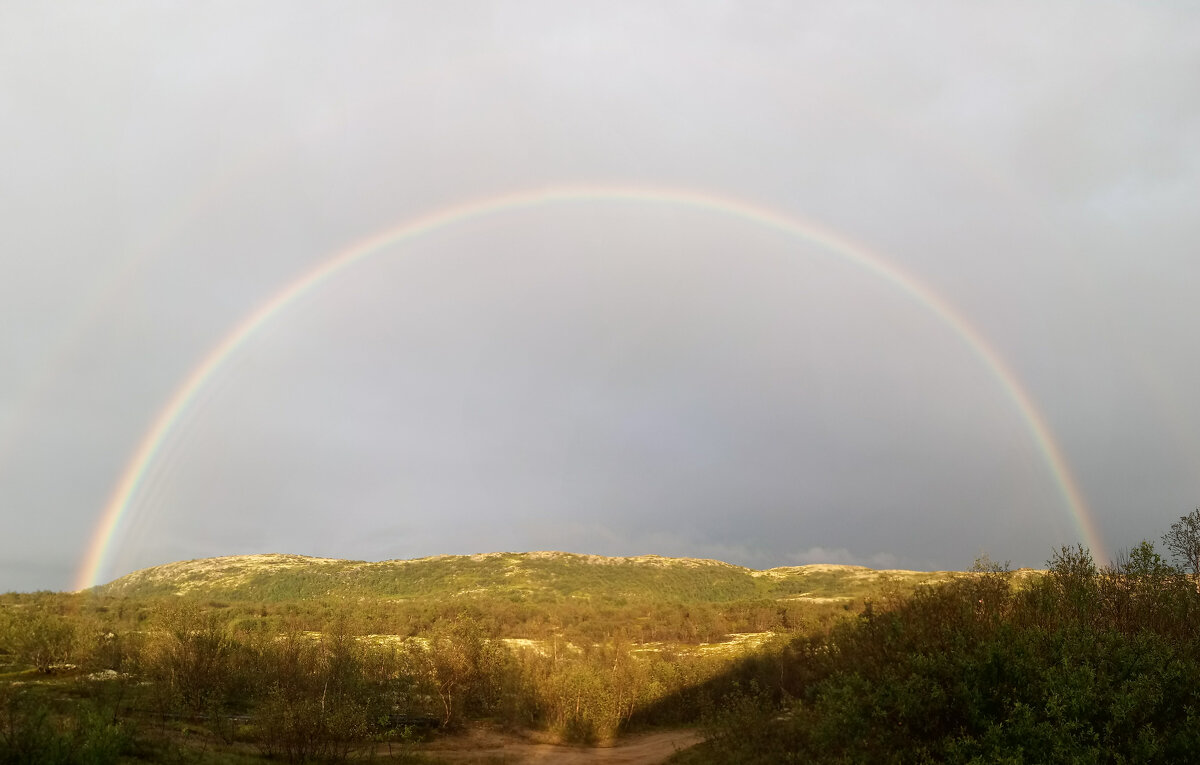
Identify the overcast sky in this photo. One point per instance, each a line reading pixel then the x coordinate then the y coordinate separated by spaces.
pixel 606 376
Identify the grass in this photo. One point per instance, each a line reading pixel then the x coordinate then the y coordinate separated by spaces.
pixel 569 645
pixel 522 577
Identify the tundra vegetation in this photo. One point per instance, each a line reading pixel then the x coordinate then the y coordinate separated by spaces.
pixel 1084 664
pixel 282 658
pixel 295 659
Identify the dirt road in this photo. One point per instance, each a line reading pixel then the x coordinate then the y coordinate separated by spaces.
pixel 489 747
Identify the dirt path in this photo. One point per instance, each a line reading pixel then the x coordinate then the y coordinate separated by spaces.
pixel 489 747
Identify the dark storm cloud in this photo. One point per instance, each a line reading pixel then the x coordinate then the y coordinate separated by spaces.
pixel 603 378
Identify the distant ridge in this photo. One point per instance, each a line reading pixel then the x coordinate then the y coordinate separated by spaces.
pixel 543 576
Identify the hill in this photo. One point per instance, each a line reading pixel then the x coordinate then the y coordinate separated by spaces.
pixel 545 577
pixel 320 658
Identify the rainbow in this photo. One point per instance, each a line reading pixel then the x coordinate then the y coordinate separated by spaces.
pixel 134 474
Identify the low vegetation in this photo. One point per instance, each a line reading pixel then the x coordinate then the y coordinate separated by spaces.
pixel 221 660
pixel 1085 664
pixel 298 659
pixel 539 577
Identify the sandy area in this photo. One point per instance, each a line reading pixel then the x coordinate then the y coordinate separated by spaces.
pixel 490 747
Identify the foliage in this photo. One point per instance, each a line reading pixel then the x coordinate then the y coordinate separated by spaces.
pixel 30 732
pixel 468 672
pixel 1183 541
pixel 1082 665
pixel 531 578
pixel 331 679
pixel 38 637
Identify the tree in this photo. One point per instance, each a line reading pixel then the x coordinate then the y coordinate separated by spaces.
pixel 468 671
pixel 1183 540
pixel 41 638
pixel 1144 562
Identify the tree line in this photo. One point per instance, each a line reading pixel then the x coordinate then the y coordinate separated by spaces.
pixel 1087 663
pixel 334 679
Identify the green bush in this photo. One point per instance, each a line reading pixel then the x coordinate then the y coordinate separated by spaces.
pixel 1082 665
pixel 39 638
pixel 32 733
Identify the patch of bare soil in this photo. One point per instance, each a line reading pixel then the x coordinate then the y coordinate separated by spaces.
pixel 486 746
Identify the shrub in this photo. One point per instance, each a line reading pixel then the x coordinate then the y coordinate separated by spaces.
pixel 39 638
pixel 1083 665
pixel 30 732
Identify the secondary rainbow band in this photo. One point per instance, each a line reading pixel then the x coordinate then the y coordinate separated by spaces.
pixel 132 477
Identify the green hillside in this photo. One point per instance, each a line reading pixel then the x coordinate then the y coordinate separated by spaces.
pixel 269 657
pixel 1082 664
pixel 260 658
pixel 529 577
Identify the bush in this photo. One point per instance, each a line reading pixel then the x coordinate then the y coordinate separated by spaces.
pixel 30 732
pixel 1083 665
pixel 39 638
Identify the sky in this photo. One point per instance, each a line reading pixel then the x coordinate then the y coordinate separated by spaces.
pixel 773 283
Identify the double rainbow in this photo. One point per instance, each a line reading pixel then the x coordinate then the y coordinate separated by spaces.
pixel 118 506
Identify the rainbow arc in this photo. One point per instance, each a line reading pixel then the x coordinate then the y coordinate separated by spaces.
pixel 117 509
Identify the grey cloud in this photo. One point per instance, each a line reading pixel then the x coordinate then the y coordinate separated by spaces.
pixel 600 377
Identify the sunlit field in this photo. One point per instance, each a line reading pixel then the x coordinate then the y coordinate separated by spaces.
pixel 296 658
pixel 836 357
pixel 259 658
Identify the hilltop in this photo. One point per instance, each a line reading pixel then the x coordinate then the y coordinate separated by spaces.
pixel 549 647
pixel 533 576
